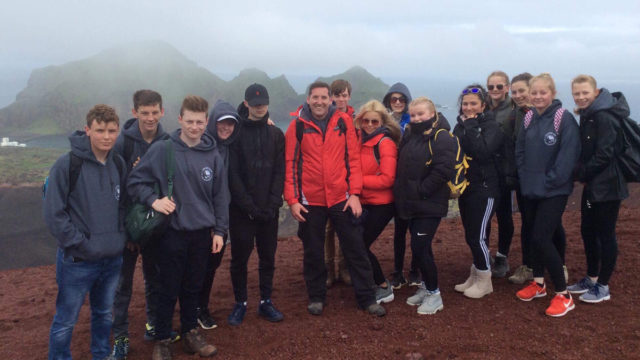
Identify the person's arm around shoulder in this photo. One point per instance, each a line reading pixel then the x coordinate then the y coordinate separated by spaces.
pixel 55 206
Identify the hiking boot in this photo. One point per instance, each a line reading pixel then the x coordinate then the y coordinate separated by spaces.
pixel 376 309
pixel 237 314
pixel 384 295
pixel 522 274
pixel 120 348
pixel 598 293
pixel 150 333
pixel 467 283
pixel 566 273
pixel 194 343
pixel 431 304
pixel 482 285
pixel 397 280
pixel 560 305
pixel 331 273
pixel 532 291
pixel 500 268
pixel 315 308
pixel 414 278
pixel 419 296
pixel 582 286
pixel 269 312
pixel 161 350
pixel 205 320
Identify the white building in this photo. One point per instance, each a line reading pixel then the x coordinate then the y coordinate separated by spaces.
pixel 6 142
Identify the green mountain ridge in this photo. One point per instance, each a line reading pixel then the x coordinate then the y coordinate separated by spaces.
pixel 57 98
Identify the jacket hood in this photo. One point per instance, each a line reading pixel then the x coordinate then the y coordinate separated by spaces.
pixel 220 110
pixel 81 146
pixel 443 123
pixel 207 142
pixel 616 103
pixel 304 112
pixel 243 111
pixel 397 88
pixel 132 130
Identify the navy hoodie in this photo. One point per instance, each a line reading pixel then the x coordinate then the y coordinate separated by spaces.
pixel 546 158
pixel 86 223
pixel 131 131
pixel 200 186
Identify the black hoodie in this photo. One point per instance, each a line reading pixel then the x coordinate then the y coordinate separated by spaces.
pixel 602 142
pixel 256 167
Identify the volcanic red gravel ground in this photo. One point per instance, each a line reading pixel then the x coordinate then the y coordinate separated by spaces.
pixel 498 326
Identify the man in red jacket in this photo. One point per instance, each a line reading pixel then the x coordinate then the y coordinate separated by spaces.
pixel 324 180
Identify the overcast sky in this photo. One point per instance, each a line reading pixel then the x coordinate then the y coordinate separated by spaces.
pixel 390 38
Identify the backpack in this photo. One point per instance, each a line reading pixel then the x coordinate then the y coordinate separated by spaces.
pixel 458 182
pixel 557 119
pixel 629 159
pixel 75 164
pixel 376 148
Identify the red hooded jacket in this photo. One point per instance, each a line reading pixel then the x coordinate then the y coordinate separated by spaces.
pixel 322 170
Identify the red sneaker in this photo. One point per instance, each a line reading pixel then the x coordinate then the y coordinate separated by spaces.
pixel 532 291
pixel 560 305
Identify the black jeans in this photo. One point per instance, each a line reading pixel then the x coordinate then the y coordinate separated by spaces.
pixel 422 232
pixel 476 210
pixel 244 231
pixel 213 263
pixel 598 228
pixel 504 214
pixel 377 218
pixel 311 232
pixel 545 216
pixel 182 261
pixel 400 244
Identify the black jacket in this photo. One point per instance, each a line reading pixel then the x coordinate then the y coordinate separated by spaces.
pixel 481 139
pixel 256 167
pixel 421 191
pixel 602 142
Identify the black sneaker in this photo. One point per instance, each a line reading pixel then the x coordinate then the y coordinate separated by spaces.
pixel 269 312
pixel 205 320
pixel 120 348
pixel 150 333
pixel 500 267
pixel 237 314
pixel 397 280
pixel 414 278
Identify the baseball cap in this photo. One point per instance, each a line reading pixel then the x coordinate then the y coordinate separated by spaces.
pixel 256 94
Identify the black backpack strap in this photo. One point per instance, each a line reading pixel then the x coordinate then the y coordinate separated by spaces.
pixel 75 164
pixel 376 149
pixel 128 149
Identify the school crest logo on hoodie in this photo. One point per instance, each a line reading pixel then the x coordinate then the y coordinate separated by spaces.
pixel 206 174
pixel 550 138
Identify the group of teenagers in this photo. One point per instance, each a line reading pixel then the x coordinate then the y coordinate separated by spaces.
pixel 222 175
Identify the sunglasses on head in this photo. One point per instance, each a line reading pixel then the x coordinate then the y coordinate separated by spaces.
pixel 374 122
pixel 401 99
pixel 471 91
pixel 499 87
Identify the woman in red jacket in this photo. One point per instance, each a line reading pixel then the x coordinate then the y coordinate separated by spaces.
pixel 380 136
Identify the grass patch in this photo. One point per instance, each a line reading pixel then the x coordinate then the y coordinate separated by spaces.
pixel 21 165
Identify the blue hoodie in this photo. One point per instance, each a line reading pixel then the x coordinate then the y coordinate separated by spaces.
pixel 86 223
pixel 131 131
pixel 200 186
pixel 404 90
pixel 546 158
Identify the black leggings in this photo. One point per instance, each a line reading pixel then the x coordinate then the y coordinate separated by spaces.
pixel 422 232
pixel 598 227
pixel 399 245
pixel 377 218
pixel 476 210
pixel 213 263
pixel 545 216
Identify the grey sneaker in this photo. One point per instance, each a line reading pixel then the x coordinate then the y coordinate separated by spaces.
pixel 376 309
pixel 581 286
pixel 384 295
pixel 598 293
pixel 418 298
pixel 500 267
pixel 521 275
pixel 414 278
pixel 315 308
pixel 432 303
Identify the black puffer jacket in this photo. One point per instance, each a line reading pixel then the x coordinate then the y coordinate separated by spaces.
pixel 602 142
pixel 481 139
pixel 421 191
pixel 256 166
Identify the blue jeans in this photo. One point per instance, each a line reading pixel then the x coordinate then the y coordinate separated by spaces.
pixel 75 280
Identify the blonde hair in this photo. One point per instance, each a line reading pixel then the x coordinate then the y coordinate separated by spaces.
pixel 580 79
pixel 376 106
pixel 499 73
pixel 544 77
pixel 424 100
